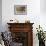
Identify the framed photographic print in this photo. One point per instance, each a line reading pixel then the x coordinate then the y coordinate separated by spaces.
pixel 20 9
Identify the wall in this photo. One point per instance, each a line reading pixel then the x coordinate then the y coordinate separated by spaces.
pixel 34 14
pixel 8 11
pixel 43 14
pixel 43 6
pixel 0 15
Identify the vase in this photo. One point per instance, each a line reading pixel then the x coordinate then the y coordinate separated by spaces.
pixel 41 43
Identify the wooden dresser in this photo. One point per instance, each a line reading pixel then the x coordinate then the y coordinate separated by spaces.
pixel 22 33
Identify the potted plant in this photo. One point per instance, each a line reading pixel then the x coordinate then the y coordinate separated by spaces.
pixel 41 36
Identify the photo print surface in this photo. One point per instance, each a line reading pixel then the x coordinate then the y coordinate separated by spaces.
pixel 20 9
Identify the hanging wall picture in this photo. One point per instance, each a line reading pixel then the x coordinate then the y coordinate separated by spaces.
pixel 20 9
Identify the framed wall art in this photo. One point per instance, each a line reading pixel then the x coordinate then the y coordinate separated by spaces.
pixel 20 9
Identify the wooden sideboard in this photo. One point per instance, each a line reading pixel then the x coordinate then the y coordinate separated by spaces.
pixel 22 33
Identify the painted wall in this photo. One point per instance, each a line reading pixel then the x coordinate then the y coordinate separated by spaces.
pixel 43 14
pixel 43 6
pixel 33 14
pixel 33 11
pixel 0 15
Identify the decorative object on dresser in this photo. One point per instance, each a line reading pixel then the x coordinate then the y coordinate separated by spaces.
pixel 13 21
pixel 22 33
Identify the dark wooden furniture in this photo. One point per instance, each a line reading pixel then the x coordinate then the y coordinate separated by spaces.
pixel 22 33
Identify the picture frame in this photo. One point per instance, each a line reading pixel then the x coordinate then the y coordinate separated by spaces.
pixel 20 9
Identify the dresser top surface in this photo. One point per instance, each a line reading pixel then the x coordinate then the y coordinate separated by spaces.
pixel 19 23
